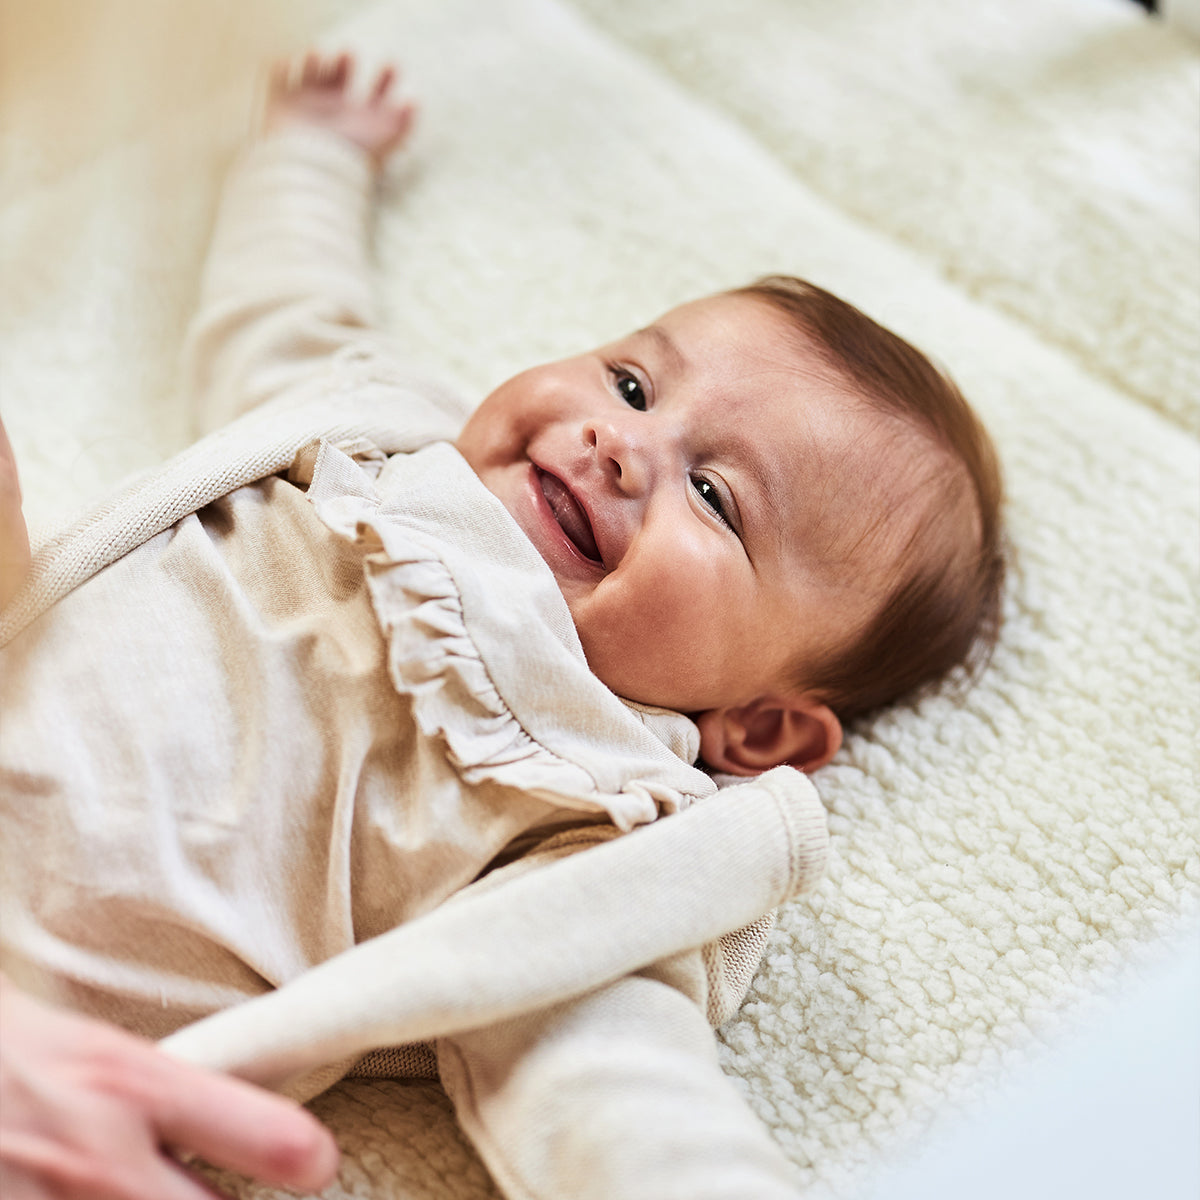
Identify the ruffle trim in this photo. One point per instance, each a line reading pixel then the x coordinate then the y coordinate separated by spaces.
pixel 432 658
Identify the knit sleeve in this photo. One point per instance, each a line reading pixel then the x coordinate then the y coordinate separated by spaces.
pixel 534 934
pixel 287 280
pixel 617 1093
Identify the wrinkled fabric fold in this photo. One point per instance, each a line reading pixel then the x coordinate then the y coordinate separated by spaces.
pixel 531 935
pixel 617 1093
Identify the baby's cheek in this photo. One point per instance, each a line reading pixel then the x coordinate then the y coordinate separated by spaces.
pixel 658 636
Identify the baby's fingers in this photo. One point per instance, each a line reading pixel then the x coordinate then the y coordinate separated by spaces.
pixel 383 85
pixel 333 73
pixel 402 121
pixel 319 71
pixel 310 71
pixel 343 68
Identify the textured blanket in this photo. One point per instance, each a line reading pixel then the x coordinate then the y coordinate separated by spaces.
pixel 1012 185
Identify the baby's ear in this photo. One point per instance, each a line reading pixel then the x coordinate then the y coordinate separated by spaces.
pixel 769 732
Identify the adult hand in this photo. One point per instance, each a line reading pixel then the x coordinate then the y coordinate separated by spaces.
pixel 89 1112
pixel 14 537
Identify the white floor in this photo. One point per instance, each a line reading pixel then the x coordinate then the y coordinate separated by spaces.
pixel 1113 1113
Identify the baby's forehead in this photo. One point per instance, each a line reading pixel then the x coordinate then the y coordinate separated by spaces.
pixel 862 490
pixel 744 324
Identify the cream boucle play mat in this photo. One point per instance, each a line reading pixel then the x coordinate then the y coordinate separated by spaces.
pixel 1011 185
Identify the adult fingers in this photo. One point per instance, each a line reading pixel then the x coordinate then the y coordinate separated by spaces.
pixel 233 1124
pixel 174 1182
pixel 7 457
pixel 37 1169
pixel 14 537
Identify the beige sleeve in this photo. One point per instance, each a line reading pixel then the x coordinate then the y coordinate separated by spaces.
pixel 287 280
pixel 616 1095
pixel 535 938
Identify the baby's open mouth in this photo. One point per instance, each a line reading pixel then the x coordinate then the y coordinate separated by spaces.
pixel 570 515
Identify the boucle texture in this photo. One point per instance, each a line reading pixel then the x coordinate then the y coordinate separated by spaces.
pixel 1015 192
pixel 1055 136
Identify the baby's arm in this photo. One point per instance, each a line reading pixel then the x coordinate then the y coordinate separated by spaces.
pixel 14 538
pixel 287 282
pixel 618 1092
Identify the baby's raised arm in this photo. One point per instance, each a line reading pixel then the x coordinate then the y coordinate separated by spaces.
pixel 287 282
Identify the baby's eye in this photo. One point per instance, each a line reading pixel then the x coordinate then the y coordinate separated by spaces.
pixel 629 389
pixel 709 494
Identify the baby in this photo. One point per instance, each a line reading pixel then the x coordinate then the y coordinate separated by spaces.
pixel 762 509
pixel 346 675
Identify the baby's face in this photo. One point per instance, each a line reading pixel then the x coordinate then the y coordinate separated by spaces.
pixel 684 485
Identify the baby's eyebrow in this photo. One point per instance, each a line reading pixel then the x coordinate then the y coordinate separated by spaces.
pixel 665 343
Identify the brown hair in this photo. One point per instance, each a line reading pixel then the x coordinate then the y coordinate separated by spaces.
pixel 942 607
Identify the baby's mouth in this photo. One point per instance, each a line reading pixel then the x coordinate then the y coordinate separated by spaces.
pixel 570 515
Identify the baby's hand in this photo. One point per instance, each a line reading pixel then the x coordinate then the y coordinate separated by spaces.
pixel 319 96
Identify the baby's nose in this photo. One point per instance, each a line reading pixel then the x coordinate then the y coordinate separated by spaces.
pixel 623 452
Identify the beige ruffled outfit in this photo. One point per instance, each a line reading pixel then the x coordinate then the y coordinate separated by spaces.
pixel 299 743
